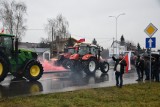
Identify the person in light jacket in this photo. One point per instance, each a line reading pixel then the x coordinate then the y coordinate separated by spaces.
pixel 120 64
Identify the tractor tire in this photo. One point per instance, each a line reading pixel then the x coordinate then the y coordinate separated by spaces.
pixel 4 68
pixel 104 67
pixel 34 71
pixel 90 66
pixel 66 64
pixel 58 63
pixel 75 66
pixel 72 66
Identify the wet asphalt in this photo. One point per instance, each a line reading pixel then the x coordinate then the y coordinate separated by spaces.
pixel 61 81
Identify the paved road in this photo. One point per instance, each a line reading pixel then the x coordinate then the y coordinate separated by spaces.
pixel 60 82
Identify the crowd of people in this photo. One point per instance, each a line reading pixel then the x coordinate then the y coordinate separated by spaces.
pixel 142 65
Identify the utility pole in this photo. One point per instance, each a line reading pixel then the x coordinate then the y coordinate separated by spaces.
pixel 57 44
pixel 116 18
pixel 113 45
pixel 52 44
pixel 150 64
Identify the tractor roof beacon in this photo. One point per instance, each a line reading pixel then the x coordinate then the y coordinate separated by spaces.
pixel 19 62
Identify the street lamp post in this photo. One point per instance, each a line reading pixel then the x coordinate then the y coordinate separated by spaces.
pixel 116 17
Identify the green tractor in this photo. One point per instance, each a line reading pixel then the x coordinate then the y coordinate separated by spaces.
pixel 19 62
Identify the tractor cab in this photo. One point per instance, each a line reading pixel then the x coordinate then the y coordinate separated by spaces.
pixel 6 43
pixel 70 50
pixel 85 49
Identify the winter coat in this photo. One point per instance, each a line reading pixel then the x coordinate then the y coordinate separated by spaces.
pixel 122 64
pixel 141 64
pixel 137 62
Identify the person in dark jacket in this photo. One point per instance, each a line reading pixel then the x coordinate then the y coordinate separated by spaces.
pixel 138 68
pixel 156 69
pixel 120 63
pixel 141 67
pixel 147 67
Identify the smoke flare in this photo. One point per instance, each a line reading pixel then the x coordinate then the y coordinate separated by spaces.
pixel 50 66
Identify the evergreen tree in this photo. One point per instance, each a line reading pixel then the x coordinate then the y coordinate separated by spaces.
pixel 70 42
pixel 138 47
pixel 122 40
pixel 94 41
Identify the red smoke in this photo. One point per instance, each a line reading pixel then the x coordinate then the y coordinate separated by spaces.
pixel 50 66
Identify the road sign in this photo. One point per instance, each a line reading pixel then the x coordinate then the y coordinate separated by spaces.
pixel 150 42
pixel 150 30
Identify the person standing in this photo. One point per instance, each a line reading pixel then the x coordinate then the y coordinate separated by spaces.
pixel 120 63
pixel 147 67
pixel 156 69
pixel 141 67
pixel 138 67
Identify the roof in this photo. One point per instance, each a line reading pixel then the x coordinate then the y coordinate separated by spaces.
pixel 125 44
pixel 89 44
pixel 118 42
pixel 38 50
pixel 8 35
pixel 28 45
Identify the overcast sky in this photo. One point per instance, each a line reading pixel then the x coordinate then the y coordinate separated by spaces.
pixel 90 19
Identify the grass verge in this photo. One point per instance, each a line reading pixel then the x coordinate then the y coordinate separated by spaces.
pixel 135 95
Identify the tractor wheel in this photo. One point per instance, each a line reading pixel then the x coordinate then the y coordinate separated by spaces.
pixel 58 63
pixel 104 67
pixel 4 68
pixel 66 64
pixel 72 66
pixel 75 66
pixel 34 71
pixel 90 66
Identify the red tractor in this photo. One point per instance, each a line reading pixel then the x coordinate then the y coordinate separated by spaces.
pixel 63 59
pixel 88 59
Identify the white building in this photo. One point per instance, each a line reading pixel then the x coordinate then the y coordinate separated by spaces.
pixel 117 48
pixel 43 53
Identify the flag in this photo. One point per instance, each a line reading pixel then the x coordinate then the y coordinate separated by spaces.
pixel 81 40
pixel 128 61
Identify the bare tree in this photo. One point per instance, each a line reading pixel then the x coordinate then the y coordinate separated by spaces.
pixel 94 41
pixel 57 27
pixel 122 41
pixel 44 43
pixel 12 16
pixel 130 45
pixel 62 26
